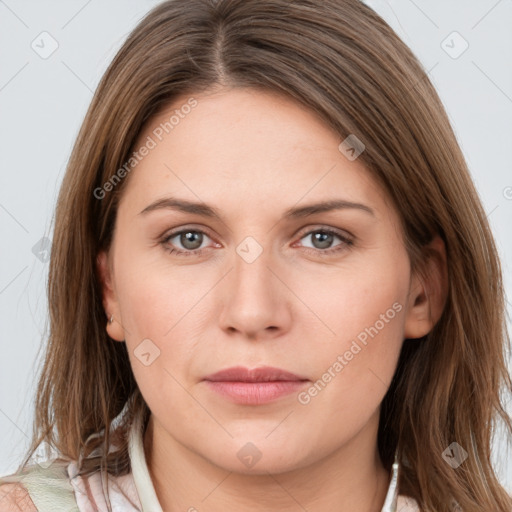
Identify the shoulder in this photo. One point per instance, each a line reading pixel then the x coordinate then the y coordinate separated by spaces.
pixel 15 498
pixel 37 488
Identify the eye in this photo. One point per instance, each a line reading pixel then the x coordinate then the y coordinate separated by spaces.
pixel 323 239
pixel 190 239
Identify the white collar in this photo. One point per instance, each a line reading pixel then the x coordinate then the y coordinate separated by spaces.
pixel 146 490
pixel 140 472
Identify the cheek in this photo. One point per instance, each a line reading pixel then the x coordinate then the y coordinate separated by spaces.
pixel 163 316
pixel 362 312
pixel 153 296
pixel 349 301
pixel 353 371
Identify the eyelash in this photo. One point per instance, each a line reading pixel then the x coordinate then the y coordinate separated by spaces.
pixel 347 242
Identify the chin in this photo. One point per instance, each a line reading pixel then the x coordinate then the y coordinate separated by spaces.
pixel 259 457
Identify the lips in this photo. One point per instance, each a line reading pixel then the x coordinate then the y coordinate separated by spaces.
pixel 255 387
pixel 262 374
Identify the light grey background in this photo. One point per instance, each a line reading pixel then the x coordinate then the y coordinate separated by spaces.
pixel 43 99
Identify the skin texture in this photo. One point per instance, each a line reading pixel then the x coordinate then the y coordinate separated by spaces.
pixel 252 155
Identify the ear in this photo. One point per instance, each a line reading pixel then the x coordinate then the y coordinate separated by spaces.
pixel 428 291
pixel 110 304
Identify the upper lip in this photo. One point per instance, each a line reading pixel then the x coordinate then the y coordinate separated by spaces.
pixel 261 374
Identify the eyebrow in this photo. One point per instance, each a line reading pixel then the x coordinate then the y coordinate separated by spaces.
pixel 206 210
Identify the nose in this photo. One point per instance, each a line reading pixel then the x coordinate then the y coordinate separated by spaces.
pixel 256 298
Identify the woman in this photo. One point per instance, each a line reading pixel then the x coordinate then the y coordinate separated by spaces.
pixel 303 297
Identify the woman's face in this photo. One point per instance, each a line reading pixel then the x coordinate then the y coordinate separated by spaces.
pixel 257 279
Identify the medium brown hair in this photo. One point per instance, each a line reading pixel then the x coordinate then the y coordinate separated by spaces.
pixel 342 61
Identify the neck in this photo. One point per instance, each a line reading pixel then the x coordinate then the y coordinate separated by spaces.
pixel 351 478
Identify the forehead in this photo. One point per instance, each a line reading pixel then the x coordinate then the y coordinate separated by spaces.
pixel 244 145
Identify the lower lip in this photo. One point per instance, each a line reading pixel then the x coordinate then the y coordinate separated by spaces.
pixel 256 393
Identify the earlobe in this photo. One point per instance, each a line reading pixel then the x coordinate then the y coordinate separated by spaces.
pixel 428 291
pixel 109 299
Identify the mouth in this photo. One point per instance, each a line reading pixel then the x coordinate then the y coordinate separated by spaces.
pixel 255 387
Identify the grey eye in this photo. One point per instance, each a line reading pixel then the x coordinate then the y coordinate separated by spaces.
pixel 189 239
pixel 321 239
